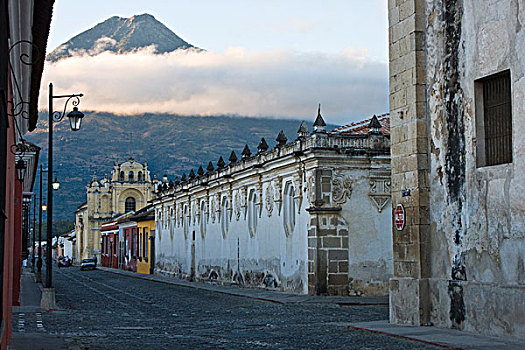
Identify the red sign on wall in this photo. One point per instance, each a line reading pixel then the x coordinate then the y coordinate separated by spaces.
pixel 399 217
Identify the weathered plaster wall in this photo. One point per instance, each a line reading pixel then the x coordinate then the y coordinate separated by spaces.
pixel 340 243
pixel 267 258
pixel 478 213
pixel 475 246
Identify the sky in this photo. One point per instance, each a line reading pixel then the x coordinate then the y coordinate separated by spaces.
pixel 263 58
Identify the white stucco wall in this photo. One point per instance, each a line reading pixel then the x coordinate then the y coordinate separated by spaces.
pixel 341 241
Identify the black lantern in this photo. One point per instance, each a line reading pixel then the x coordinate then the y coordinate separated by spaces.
pixel 55 184
pixel 21 169
pixel 75 119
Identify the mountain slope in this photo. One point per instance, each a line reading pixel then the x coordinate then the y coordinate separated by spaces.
pixel 121 35
pixel 170 145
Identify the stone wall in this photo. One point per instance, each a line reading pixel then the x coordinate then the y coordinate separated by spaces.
pixel 410 165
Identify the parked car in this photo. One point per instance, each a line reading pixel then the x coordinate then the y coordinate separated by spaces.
pixel 88 264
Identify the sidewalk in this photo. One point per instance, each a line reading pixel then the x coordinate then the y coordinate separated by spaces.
pixel 440 337
pixel 27 335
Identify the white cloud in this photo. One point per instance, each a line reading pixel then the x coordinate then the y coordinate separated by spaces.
pixel 276 83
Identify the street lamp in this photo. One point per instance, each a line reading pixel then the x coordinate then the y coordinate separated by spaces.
pixel 55 184
pixel 21 166
pixel 75 119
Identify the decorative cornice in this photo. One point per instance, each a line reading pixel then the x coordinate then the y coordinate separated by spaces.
pixel 357 144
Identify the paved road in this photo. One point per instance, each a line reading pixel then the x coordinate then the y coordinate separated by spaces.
pixel 101 310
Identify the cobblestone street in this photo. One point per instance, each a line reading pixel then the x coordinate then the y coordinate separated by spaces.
pixel 102 310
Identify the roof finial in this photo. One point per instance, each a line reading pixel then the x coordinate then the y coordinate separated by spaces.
pixel 209 168
pixel 220 163
pixel 200 172
pixel 263 146
pixel 233 157
pixel 374 126
pixel 303 129
pixel 319 123
pixel 246 152
pixel 281 139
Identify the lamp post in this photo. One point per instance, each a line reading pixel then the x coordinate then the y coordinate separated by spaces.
pixel 34 235
pixel 41 207
pixel 75 119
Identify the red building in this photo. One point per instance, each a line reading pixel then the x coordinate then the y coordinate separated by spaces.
pixel 109 233
pixel 24 29
pixel 129 244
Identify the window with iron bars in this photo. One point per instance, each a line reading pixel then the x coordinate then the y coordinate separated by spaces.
pixel 494 119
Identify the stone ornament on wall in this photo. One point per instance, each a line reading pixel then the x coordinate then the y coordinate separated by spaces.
pixel 379 192
pixel 213 208
pixel 268 200
pixel 179 215
pixel 341 189
pixel 279 193
pixel 297 183
pixel 171 219
pixel 310 190
pixel 218 208
pixel 194 210
pixel 237 208
pixel 204 210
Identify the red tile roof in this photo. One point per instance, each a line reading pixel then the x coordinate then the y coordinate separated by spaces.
pixel 361 127
pixel 81 205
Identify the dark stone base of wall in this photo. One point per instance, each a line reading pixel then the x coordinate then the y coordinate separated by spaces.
pixel 485 308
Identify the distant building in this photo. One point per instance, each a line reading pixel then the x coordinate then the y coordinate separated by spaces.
pixel 109 233
pixel 145 252
pixel 128 189
pixel 457 100
pixel 308 216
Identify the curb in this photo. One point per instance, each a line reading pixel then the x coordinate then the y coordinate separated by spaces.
pixel 444 346
pixel 251 293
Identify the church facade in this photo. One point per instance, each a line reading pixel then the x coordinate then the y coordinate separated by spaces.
pixel 128 189
pixel 308 216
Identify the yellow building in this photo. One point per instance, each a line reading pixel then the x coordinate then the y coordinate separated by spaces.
pixel 145 219
pixel 128 189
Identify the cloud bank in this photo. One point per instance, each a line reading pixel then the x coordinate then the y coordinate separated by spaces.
pixel 275 84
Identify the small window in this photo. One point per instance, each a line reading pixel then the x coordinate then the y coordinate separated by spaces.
pixel 121 177
pixel 131 177
pixel 139 176
pixel 130 204
pixel 252 213
pixel 494 120
pixel 289 209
